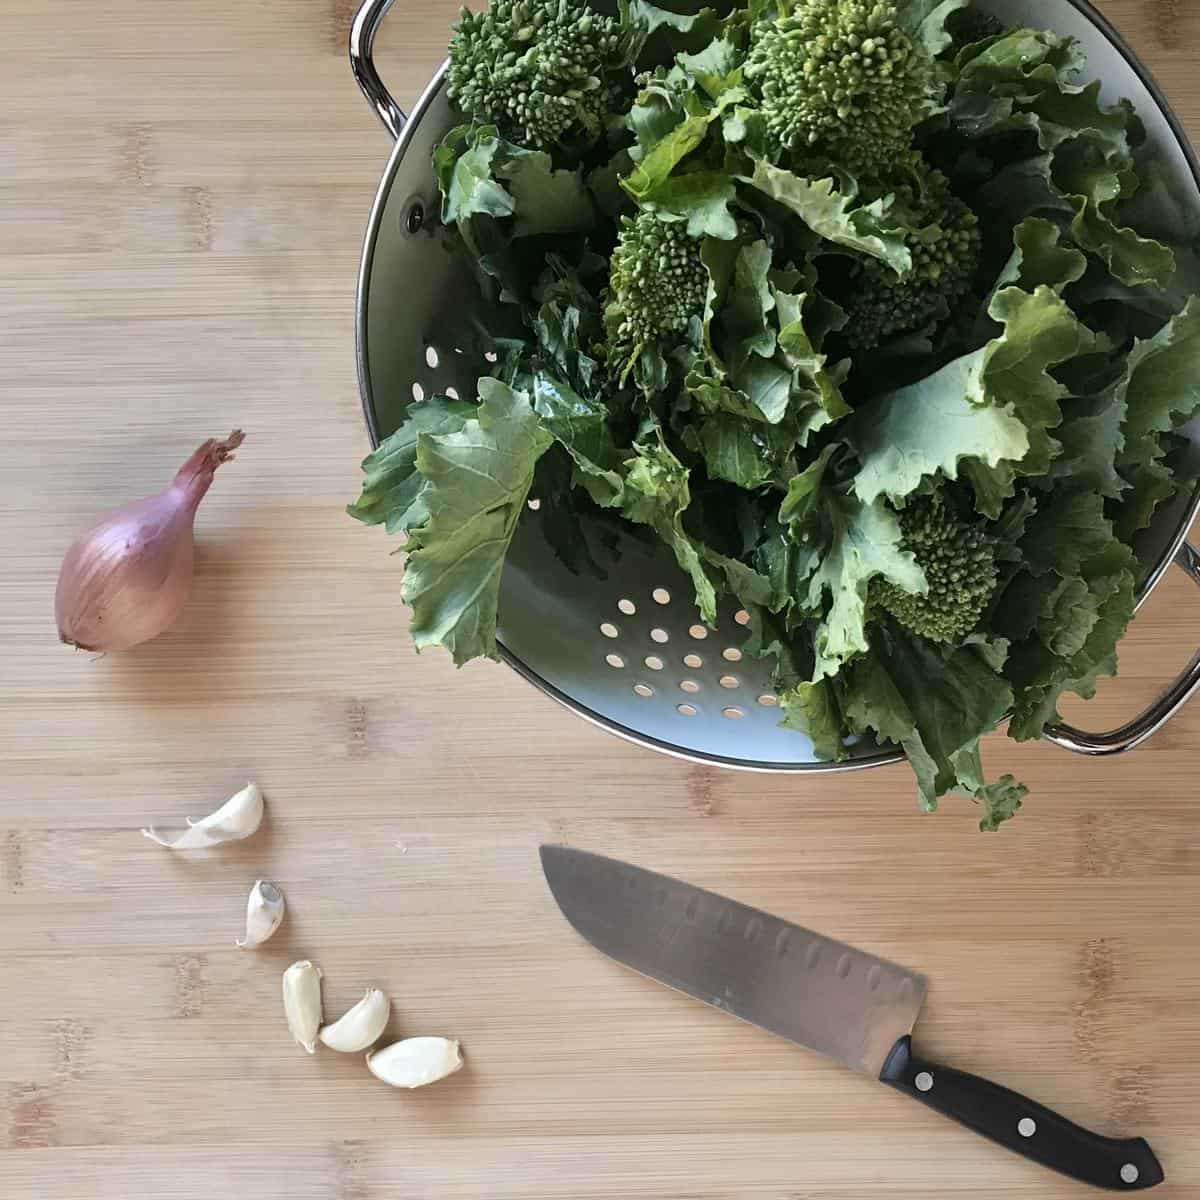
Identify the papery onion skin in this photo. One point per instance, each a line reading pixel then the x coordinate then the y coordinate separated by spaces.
pixel 126 579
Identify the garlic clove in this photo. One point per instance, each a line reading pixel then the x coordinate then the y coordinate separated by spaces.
pixel 237 818
pixel 302 1003
pixel 360 1027
pixel 415 1062
pixel 264 912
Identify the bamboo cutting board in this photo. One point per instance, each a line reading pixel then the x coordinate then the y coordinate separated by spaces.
pixel 183 190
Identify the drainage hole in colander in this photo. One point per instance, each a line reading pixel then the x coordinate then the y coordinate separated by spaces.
pixel 767 700
pixel 452 393
pixel 731 654
pixel 693 660
pixel 534 504
pixel 431 356
pixel 627 607
pixel 660 635
pixel 699 632
pixel 661 595
pixel 654 662
pixel 614 660
pixel 491 356
pixel 689 685
pixel 728 681
pixel 734 714
pixel 609 629
pixel 686 710
pixel 742 617
pixel 643 689
pixel 418 392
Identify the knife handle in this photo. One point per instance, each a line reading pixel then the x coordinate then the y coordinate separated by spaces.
pixel 1023 1125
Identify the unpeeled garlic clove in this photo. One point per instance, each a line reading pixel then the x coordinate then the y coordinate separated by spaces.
pixel 360 1027
pixel 264 912
pixel 415 1061
pixel 302 1002
pixel 237 818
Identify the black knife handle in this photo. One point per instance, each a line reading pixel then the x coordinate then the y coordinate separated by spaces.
pixel 1117 1164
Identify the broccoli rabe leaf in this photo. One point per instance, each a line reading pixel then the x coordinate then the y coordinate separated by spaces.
pixel 925 20
pixel 656 493
pixel 935 426
pixel 1040 676
pixel 479 478
pixel 1161 394
pixel 1092 439
pixel 730 450
pixel 1069 612
pixel 474 163
pixel 1040 259
pixel 701 198
pixel 814 710
pixel 858 542
pixel 1091 183
pixel 1023 83
pixel 987 414
pixel 1064 640
pixel 869 228
pixel 936 702
pixel 1065 532
pixel 999 802
pixel 1040 332
pixel 393 492
pixel 657 164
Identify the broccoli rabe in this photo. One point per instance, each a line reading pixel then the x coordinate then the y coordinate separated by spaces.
pixel 969 25
pixel 658 282
pixel 840 79
pixel 958 558
pixel 546 72
pixel 945 244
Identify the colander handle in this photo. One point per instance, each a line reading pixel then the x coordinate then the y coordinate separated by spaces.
pixel 362 63
pixel 1135 732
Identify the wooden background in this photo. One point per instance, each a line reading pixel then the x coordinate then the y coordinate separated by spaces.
pixel 183 189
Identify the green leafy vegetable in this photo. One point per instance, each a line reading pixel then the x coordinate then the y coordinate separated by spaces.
pixel 479 478
pixel 869 310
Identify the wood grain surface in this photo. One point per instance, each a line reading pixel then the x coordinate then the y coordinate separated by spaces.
pixel 183 189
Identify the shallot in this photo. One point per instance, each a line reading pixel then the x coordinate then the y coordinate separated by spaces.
pixel 127 578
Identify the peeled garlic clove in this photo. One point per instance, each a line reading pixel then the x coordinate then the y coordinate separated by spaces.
pixel 237 818
pixel 361 1027
pixel 302 1003
pixel 416 1061
pixel 264 912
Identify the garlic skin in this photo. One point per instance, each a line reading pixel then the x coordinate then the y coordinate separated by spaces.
pixel 264 912
pixel 361 1026
pixel 416 1061
pixel 237 818
pixel 302 1003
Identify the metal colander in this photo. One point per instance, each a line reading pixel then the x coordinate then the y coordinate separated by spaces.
pixel 630 653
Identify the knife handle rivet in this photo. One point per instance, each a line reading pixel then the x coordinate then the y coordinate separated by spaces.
pixel 1027 1127
pixel 1129 1173
pixel 924 1082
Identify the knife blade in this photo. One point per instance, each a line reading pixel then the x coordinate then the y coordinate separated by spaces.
pixel 852 1006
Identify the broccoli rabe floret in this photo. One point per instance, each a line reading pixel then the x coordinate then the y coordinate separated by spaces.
pixel 545 72
pixel 841 79
pixel 958 558
pixel 945 244
pixel 658 282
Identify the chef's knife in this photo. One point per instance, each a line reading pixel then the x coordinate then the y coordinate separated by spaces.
pixel 858 1009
